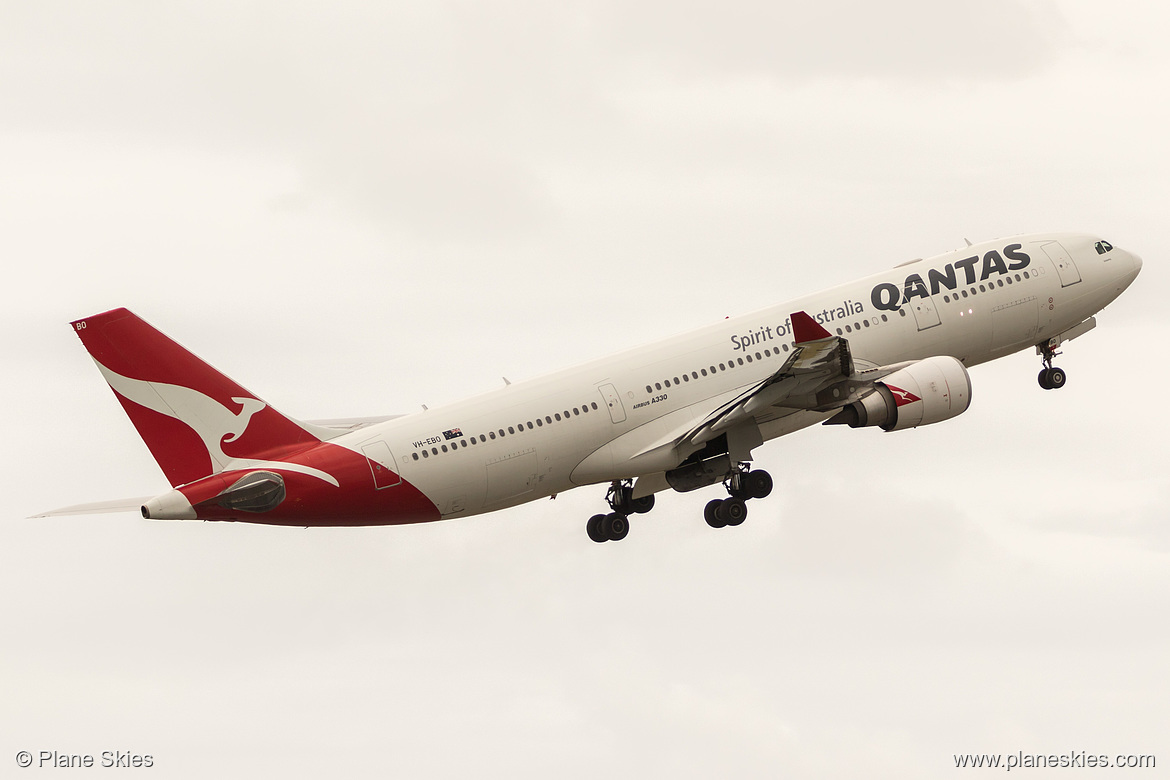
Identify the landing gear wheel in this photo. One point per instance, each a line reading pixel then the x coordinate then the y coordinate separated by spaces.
pixel 731 511
pixel 759 484
pixel 642 505
pixel 616 526
pixel 711 513
pixel 596 529
pixel 1052 378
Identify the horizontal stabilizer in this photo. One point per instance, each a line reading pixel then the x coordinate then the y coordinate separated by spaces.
pixel 98 507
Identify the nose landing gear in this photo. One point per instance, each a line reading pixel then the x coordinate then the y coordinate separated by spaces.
pixel 1050 378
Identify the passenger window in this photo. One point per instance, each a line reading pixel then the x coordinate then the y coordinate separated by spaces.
pixel 444 448
pixel 426 454
pixel 415 454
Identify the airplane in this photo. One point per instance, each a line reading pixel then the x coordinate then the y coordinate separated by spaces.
pixel 890 351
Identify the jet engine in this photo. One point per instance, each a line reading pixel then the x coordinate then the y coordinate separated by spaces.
pixel 929 391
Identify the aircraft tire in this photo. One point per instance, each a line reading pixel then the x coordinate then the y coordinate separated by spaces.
pixel 1043 379
pixel 642 505
pixel 711 513
pixel 759 484
pixel 732 511
pixel 1056 378
pixel 616 526
pixel 596 529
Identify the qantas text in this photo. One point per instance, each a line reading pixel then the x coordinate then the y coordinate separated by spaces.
pixel 887 296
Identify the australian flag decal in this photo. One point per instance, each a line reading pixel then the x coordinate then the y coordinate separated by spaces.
pixel 454 433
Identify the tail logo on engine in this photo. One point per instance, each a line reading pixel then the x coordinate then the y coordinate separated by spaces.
pixel 902 397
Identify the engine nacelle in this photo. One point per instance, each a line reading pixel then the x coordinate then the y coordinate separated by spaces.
pixel 929 391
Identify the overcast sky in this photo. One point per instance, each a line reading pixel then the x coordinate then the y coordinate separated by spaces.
pixel 356 210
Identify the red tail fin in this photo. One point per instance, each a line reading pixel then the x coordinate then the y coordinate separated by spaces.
pixel 193 418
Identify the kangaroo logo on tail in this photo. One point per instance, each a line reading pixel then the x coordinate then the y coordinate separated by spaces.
pixel 214 423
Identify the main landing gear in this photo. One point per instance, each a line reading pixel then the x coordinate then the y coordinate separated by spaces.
pixel 1050 378
pixel 614 526
pixel 741 485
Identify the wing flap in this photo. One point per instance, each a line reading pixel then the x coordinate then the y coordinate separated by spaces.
pixel 819 358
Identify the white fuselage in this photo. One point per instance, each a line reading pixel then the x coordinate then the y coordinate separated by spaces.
pixel 601 421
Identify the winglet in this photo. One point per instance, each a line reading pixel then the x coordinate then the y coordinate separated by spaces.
pixel 805 328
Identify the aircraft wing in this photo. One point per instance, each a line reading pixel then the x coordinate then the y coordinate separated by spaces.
pixel 808 380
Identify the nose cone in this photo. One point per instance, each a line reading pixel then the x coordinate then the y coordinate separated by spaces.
pixel 1137 263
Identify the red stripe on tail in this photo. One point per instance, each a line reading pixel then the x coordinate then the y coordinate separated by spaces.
pixel 193 418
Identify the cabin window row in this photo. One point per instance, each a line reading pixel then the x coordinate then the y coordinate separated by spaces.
pixel 986 287
pixel 857 326
pixel 712 370
pixel 500 433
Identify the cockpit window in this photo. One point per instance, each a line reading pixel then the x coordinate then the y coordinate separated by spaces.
pixel 1103 247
